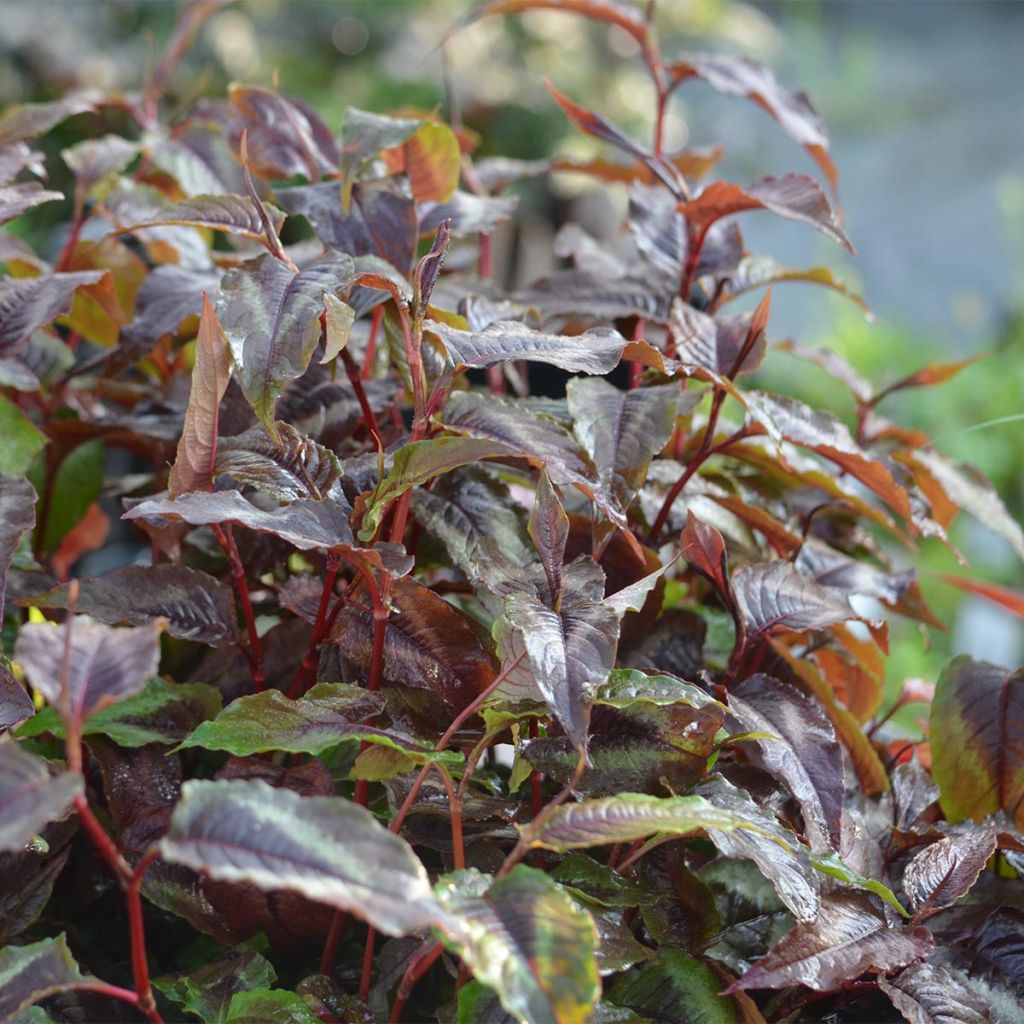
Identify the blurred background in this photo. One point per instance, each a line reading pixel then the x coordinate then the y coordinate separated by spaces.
pixel 923 101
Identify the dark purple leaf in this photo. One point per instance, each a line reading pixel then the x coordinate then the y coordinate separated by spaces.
pixel 944 871
pixel 548 527
pixel 31 973
pixel 236 215
pixel 380 221
pixel 17 517
pixel 28 120
pixel 194 605
pixel 793 196
pixel 741 76
pixel 271 316
pixel 622 430
pixel 927 993
pixel 285 137
pixel 848 938
pixel 363 136
pixel 760 271
pixel 30 795
pixel 704 548
pixel 831 568
pixel 803 753
pixel 103 664
pixel 658 228
pixel 710 347
pixel 325 848
pixel 470 214
pixel 28 303
pixel 15 704
pixel 291 468
pixel 429 644
pixel 24 195
pixel 581 293
pixel 571 650
pixel 96 161
pixel 977 734
pixel 15 157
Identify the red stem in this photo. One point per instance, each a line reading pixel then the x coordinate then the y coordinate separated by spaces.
pixel 357 385
pixel 254 652
pixel 535 777
pixel 320 627
pixel 484 266
pixel 371 344
pixel 416 969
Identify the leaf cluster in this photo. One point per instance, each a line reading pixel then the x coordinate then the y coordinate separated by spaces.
pixel 431 698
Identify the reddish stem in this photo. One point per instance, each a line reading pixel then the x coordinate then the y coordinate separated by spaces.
pixel 537 796
pixel 485 249
pixel 356 381
pixel 332 941
pixel 369 356
pixel 416 969
pixel 320 627
pixel 255 649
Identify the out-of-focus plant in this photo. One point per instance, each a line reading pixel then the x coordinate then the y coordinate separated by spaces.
pixel 399 517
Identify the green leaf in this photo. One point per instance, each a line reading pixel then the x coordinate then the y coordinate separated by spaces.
pixel 30 796
pixel 328 849
pixel 527 940
pixel 599 883
pixel 269 1006
pixel 678 989
pixel 30 973
pixel 22 439
pixel 209 990
pixel 271 316
pixel 329 713
pixel 831 864
pixel 977 733
pixel 102 664
pixel 631 816
pixel 162 713
pixel 76 486
pixel 628 686
pixel 419 461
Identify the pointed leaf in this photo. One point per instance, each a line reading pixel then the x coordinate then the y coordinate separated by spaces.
pixel 429 645
pixel 657 227
pixel 103 664
pixel 790 420
pixel 470 214
pixel 269 1006
pixel 622 430
pixel 339 317
pixel 271 317
pixel 15 704
pixel 16 199
pixel 431 159
pixel 33 972
pixel 236 215
pixel 193 605
pixel 793 196
pixel 290 468
pixel 96 162
pixel 741 76
pixel 570 651
pixel 704 548
pixel 966 487
pixel 803 751
pixel 549 530
pixel 762 271
pixel 306 524
pixel 945 870
pixel 162 713
pixel 927 993
pixel 28 303
pixel 597 351
pixel 775 850
pixel 17 517
pixel 197 448
pixel 628 817
pixel 774 595
pixel 711 347
pixel 849 937
pixel 30 796
pixel 207 991
pixel 329 713
pixel 328 849
pixel 525 938
pixel 977 734
pixel 363 136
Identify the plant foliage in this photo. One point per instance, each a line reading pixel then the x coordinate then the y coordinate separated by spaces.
pixel 430 698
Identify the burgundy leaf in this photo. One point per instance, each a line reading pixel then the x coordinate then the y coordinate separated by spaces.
pixel 470 214
pixel 944 871
pixel 25 195
pixel 28 303
pixel 103 664
pixel 17 517
pixel 803 751
pixel 927 993
pixel 15 704
pixel 712 347
pixel 849 937
pixel 704 548
pixel 30 795
pixel 793 196
pixel 549 530
pixel 194 605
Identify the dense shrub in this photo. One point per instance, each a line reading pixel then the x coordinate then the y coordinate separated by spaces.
pixel 431 698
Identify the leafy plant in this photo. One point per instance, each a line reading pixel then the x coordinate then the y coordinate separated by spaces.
pixel 430 698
